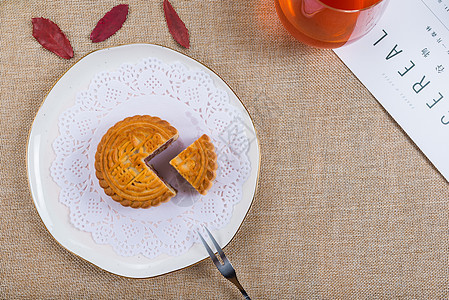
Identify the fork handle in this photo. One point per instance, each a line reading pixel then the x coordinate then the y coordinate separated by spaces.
pixel 239 286
pixel 245 294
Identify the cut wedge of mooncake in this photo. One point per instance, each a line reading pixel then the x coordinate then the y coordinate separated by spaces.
pixel 198 164
pixel 122 157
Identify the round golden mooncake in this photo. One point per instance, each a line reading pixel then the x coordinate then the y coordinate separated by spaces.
pixel 198 164
pixel 122 157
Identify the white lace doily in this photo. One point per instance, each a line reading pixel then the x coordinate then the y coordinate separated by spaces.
pixel 187 99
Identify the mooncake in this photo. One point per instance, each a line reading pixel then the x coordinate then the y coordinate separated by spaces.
pixel 198 164
pixel 122 161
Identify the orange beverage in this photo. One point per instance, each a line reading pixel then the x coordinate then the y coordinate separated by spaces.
pixel 329 23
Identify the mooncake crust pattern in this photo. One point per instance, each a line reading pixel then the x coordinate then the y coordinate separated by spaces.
pixel 198 164
pixel 122 156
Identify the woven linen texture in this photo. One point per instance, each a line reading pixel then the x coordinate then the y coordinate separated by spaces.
pixel 347 207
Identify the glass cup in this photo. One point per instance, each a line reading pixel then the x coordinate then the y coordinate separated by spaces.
pixel 329 23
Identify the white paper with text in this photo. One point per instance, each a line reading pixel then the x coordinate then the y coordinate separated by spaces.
pixel 404 62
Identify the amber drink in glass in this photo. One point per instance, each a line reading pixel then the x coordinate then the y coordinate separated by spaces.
pixel 329 23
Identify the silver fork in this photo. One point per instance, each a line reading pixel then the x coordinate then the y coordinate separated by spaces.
pixel 226 268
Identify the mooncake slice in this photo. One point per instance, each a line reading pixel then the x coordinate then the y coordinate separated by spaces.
pixel 122 157
pixel 198 164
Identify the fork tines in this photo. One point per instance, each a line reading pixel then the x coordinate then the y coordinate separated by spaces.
pixel 209 250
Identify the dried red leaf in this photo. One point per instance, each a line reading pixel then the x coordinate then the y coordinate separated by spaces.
pixel 50 36
pixel 176 26
pixel 110 23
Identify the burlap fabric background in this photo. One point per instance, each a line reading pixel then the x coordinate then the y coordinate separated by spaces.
pixel 347 206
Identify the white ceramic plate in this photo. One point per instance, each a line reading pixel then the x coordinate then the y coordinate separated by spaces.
pixel 45 191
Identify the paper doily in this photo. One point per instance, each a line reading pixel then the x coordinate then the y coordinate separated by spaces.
pixel 189 100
